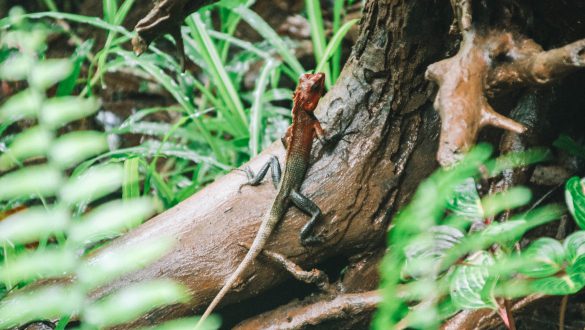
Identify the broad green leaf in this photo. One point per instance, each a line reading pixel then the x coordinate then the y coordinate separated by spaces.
pixel 32 181
pixel 574 246
pixel 32 224
pixel 470 285
pixel 59 111
pixel 43 304
pixel 211 323
pixel 568 283
pixel 110 220
pixel 423 254
pixel 466 202
pixel 546 256
pixel 31 142
pixel 93 184
pixel 70 149
pixel 49 72
pixel 105 267
pixel 38 264
pixel 131 302
pixel 575 198
pixel 25 104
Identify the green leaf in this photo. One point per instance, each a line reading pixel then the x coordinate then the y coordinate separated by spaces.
pixel 544 257
pixel 516 159
pixel 574 246
pixel 131 302
pixel 49 72
pixel 110 220
pixel 43 304
pixel 33 181
pixel 32 142
pixel 16 67
pixel 466 202
pixel 72 148
pixel 566 143
pixel 469 283
pixel 67 86
pixel 25 104
pixel 423 254
pixel 131 183
pixel 105 267
pixel 93 184
pixel 507 200
pixel 59 111
pixel 31 225
pixel 38 264
pixel 575 198
pixel 257 107
pixel 565 284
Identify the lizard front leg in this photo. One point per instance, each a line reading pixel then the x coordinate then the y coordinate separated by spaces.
pixel 255 179
pixel 308 206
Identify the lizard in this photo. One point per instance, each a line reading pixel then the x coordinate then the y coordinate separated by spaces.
pixel 298 141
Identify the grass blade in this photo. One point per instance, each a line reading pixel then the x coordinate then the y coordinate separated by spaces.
pixel 131 183
pixel 318 36
pixel 336 62
pixel 256 111
pixel 257 23
pixel 222 80
pixel 334 44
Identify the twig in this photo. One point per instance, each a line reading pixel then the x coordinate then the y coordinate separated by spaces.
pixel 562 312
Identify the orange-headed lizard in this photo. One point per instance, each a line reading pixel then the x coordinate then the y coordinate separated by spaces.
pixel 298 142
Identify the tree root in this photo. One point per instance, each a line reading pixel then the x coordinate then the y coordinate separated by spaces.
pixel 344 308
pixel 488 63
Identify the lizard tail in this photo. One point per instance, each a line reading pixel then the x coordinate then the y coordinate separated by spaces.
pixel 260 240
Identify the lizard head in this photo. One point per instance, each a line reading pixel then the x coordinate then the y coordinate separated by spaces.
pixel 309 90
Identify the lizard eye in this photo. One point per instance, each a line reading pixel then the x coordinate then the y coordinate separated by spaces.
pixel 314 87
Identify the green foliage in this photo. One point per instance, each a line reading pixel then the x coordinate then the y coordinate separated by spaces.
pixel 452 257
pixel 66 214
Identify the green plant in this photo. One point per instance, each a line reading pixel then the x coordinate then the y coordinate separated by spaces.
pixel 220 124
pixel 68 211
pixel 451 258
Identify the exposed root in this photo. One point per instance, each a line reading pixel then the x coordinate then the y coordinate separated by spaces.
pixel 314 276
pixel 489 62
pixel 345 308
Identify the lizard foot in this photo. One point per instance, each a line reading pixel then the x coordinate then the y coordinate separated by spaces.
pixel 314 276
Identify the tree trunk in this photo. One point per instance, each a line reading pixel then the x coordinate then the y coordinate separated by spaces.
pixel 383 96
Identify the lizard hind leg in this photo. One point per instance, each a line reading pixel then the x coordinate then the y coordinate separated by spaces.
pixel 255 179
pixel 308 206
